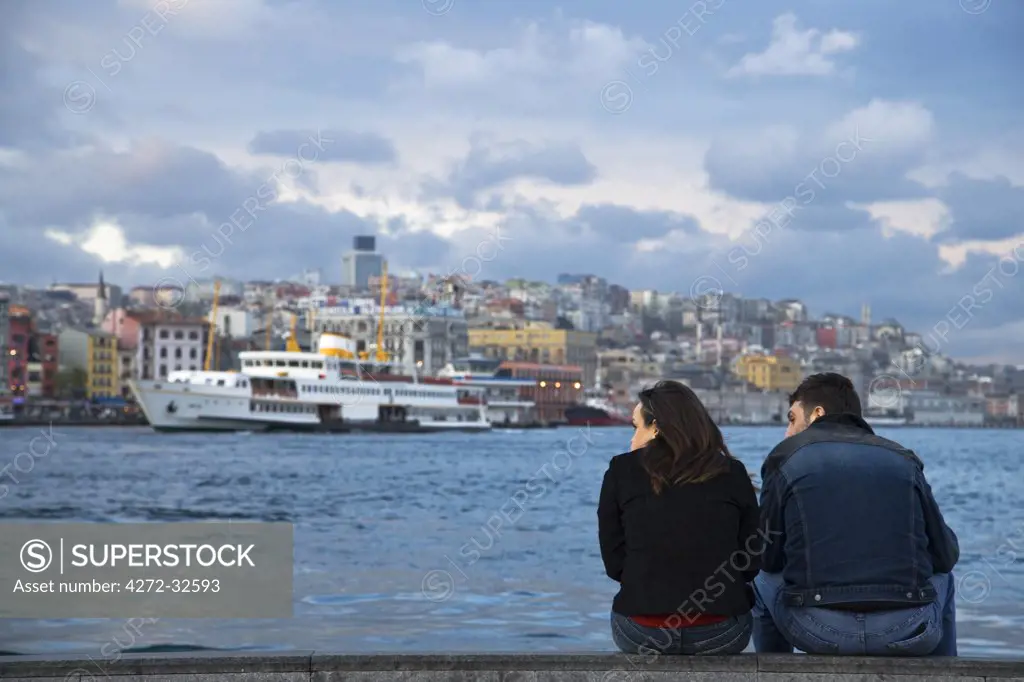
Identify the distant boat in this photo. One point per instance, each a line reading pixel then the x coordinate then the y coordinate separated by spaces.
pixel 308 391
pixel 597 412
pixel 886 421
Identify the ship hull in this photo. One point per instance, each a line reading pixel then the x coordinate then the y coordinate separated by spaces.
pixel 592 416
pixel 176 407
pixel 598 421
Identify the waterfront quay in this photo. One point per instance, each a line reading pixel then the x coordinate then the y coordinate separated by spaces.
pixel 321 666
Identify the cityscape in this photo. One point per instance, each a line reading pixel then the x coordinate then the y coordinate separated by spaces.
pixel 499 340
pixel 581 341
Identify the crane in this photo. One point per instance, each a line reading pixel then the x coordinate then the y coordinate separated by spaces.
pixel 382 355
pixel 213 325
pixel 292 346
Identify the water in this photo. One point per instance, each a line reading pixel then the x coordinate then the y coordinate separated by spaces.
pixel 380 521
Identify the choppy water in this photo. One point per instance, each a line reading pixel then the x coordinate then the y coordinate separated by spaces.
pixel 380 522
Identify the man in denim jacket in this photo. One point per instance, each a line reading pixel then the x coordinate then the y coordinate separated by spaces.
pixel 860 561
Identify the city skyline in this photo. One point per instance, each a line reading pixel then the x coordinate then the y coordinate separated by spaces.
pixel 853 161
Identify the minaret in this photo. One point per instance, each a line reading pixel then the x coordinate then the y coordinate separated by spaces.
pixel 100 304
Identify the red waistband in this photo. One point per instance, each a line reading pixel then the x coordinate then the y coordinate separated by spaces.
pixel 675 621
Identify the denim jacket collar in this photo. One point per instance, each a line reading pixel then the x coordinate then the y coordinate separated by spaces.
pixel 843 419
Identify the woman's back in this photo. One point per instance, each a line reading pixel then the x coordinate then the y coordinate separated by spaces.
pixel 678 528
pixel 687 549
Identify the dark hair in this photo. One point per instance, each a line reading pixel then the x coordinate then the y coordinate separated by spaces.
pixel 688 447
pixel 832 392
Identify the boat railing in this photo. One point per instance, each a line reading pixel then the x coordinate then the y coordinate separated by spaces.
pixel 273 393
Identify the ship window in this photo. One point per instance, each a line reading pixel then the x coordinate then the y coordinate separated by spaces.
pixel 293 363
pixel 220 382
pixel 279 363
pixel 305 363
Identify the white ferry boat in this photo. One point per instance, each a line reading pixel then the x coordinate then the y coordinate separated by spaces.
pixel 297 390
pixel 504 395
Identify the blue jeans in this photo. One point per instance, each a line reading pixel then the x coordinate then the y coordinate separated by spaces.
pixel 731 636
pixel 918 631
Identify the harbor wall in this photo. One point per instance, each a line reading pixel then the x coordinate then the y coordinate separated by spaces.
pixel 312 666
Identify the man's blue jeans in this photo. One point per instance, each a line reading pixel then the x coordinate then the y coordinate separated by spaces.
pixel 920 631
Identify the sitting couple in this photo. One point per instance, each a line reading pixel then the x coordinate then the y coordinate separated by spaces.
pixel 848 553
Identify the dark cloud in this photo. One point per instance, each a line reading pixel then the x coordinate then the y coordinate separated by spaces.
pixel 160 194
pixel 855 168
pixel 30 258
pixel 152 178
pixel 28 109
pixel 624 224
pixel 804 214
pixel 327 145
pixel 983 209
pixel 489 166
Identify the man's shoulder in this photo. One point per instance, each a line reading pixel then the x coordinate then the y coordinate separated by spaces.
pixel 817 440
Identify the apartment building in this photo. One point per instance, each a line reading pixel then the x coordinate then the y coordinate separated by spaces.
pixel 169 344
pixel 93 351
pixel 539 345
pixel 769 372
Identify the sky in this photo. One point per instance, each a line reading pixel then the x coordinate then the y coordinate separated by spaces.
pixel 843 153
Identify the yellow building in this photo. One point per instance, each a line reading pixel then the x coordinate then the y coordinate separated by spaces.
pixel 539 345
pixel 95 352
pixel 770 372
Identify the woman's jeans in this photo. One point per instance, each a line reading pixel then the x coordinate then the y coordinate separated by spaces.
pixel 731 636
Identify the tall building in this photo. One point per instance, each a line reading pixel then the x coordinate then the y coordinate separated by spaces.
pixel 361 263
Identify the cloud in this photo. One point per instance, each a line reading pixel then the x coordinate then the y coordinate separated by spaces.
pixel 152 178
pixel 28 118
pixel 628 225
pixel 334 145
pixel 864 156
pixel 983 209
pixel 559 49
pixel 489 165
pixel 547 67
pixel 796 52
pixel 156 206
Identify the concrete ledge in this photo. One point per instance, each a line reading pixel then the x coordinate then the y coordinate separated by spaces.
pixel 311 666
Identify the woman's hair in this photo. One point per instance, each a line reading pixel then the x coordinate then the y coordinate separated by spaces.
pixel 688 447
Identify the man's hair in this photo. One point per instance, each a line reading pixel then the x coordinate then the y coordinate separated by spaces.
pixel 832 392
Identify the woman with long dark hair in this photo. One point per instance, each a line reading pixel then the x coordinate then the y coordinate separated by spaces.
pixel 678 527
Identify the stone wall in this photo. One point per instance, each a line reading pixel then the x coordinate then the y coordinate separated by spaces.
pixel 310 666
